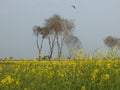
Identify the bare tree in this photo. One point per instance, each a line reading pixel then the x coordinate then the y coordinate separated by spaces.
pixel 67 28
pixel 39 31
pixel 59 28
pixel 52 24
pixel 72 43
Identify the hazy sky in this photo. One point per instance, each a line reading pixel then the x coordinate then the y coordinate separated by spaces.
pixel 94 20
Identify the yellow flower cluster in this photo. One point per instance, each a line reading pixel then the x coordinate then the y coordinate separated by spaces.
pixel 7 80
pixel 60 75
pixel 94 74
pixel 106 77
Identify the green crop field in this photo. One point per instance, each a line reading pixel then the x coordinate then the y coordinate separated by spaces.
pixel 60 75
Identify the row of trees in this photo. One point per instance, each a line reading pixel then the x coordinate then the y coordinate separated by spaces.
pixel 57 31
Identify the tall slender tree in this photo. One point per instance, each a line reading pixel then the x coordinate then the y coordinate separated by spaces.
pixel 39 31
pixel 52 24
pixel 67 28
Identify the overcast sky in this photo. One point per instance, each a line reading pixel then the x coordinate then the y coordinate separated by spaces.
pixel 94 20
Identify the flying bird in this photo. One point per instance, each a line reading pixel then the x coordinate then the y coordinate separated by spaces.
pixel 74 7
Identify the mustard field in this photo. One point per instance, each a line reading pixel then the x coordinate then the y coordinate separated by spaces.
pixel 60 75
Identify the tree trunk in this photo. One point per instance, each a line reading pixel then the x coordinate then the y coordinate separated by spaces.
pixel 51 45
pixel 39 47
pixel 60 45
pixel 51 52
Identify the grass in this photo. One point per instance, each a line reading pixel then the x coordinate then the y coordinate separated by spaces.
pixel 60 75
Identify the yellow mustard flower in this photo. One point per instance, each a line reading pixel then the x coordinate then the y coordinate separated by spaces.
pixel 25 89
pixel 108 65
pixel 81 51
pixel 61 73
pixel 90 57
pixel 17 82
pixel 106 77
pixel 7 80
pixel 117 70
pixel 83 88
pixel 94 74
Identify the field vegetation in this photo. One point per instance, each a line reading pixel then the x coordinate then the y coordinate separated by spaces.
pixel 80 73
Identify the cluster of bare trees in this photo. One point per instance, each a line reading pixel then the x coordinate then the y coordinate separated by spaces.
pixel 56 30
pixel 59 31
